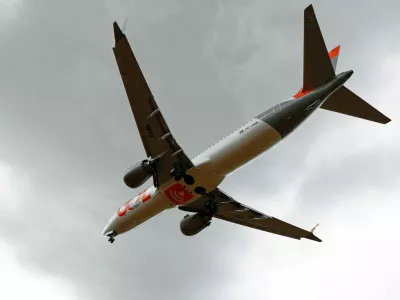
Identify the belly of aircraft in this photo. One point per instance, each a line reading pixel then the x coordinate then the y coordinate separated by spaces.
pixel 136 212
pixel 239 148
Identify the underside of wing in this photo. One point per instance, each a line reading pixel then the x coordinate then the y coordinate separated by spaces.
pixel 232 211
pixel 157 139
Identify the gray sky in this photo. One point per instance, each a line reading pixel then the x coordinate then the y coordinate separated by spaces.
pixel 67 135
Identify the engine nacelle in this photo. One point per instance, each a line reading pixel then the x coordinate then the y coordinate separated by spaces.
pixel 193 224
pixel 138 174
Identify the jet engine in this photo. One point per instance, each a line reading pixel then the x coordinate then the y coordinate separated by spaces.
pixel 138 174
pixel 193 224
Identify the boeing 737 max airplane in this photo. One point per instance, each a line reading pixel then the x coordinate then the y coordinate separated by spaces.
pixel 192 185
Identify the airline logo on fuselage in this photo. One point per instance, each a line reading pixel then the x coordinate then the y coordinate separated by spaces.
pixel 134 203
pixel 177 194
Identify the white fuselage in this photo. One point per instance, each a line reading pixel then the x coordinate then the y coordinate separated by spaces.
pixel 210 169
pixel 214 164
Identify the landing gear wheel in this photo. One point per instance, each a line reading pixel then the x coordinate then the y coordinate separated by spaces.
pixel 200 190
pixel 112 236
pixel 177 177
pixel 177 172
pixel 189 180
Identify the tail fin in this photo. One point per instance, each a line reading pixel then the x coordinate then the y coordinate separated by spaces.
pixel 334 56
pixel 346 102
pixel 318 65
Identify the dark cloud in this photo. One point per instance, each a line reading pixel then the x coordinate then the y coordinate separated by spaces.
pixel 66 122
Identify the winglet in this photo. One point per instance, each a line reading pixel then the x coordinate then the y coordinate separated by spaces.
pixel 311 236
pixel 118 34
pixel 312 230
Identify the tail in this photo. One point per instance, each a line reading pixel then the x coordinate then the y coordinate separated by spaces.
pixel 346 102
pixel 334 56
pixel 319 67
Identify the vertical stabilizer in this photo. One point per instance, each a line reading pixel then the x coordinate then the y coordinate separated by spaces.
pixel 317 65
pixel 334 56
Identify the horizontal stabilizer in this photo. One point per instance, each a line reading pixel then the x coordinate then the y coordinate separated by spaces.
pixel 346 102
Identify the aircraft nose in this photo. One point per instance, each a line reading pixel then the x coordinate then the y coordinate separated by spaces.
pixel 110 225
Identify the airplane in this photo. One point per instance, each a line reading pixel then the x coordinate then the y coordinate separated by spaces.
pixel 192 185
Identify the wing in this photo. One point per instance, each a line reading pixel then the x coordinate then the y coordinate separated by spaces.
pixel 157 139
pixel 232 211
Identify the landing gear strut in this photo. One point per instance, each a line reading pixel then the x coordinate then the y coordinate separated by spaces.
pixel 112 236
pixel 210 206
pixel 178 173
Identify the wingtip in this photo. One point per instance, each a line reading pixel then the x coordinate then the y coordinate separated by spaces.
pixel 386 120
pixel 309 8
pixel 118 34
pixel 314 238
pixel 381 118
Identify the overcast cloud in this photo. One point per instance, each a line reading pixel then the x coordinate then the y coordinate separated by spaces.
pixel 67 135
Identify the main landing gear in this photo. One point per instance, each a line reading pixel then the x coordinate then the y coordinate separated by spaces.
pixel 210 205
pixel 178 173
pixel 112 236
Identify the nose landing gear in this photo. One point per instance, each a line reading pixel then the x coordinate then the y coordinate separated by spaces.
pixel 111 236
